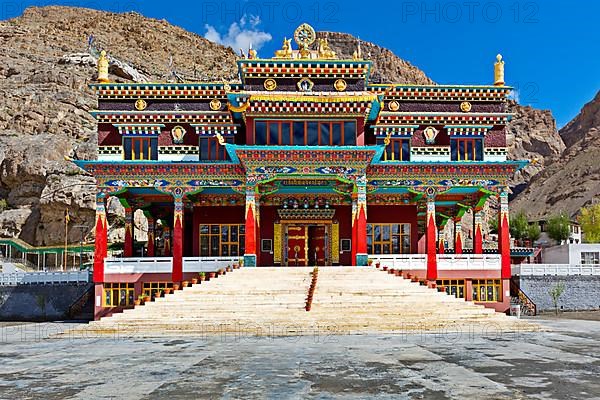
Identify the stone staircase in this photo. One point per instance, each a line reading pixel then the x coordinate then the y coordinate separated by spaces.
pixel 271 301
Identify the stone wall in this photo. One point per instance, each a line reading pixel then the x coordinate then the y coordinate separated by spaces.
pixel 39 302
pixel 581 292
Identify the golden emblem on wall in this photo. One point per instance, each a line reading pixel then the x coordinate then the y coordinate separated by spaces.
pixel 393 105
pixel 178 133
pixel 140 104
pixel 305 85
pixel 430 134
pixel 270 84
pixel 340 85
pixel 465 106
pixel 215 104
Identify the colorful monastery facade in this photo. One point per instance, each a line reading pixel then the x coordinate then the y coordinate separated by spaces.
pixel 304 162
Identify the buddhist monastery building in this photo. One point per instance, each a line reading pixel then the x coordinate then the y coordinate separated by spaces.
pixel 304 162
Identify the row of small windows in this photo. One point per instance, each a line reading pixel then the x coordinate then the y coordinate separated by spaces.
pixel 483 290
pixel 305 133
pixel 281 133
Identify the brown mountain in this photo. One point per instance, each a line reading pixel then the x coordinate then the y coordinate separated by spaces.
pixel 573 179
pixel 47 65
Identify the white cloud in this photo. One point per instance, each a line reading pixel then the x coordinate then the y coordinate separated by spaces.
pixel 240 35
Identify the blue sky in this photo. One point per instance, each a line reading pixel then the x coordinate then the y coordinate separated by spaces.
pixel 551 48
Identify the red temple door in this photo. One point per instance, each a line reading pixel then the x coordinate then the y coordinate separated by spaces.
pixel 297 246
pixel 316 245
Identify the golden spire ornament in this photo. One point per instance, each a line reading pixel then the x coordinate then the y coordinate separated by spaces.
pixel 103 68
pixel 499 71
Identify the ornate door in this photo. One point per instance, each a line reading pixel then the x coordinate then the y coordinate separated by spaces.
pixel 317 252
pixel 297 241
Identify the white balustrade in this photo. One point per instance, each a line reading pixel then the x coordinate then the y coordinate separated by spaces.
pixel 44 278
pixel 469 262
pixel 555 269
pixel 138 265
pixel 207 264
pixel 401 261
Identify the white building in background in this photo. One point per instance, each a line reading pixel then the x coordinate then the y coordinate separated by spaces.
pixel 573 254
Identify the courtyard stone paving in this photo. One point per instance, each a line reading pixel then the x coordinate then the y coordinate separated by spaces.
pixel 562 362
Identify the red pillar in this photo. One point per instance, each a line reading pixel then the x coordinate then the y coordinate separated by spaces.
pixel 478 236
pixel 178 240
pixel 458 239
pixel 150 249
pixel 128 245
pixel 431 239
pixel 504 236
pixel 251 228
pixel 100 249
pixel 360 224
pixel 354 231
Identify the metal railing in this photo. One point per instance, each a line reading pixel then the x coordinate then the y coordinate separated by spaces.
pixel 44 278
pixel 555 269
pixel 401 261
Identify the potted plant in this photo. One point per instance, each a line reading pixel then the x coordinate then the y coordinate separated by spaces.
pixel 378 264
pixel 185 284
pixel 158 294
pixel 175 286
pixel 229 269
pixel 146 297
pixel 241 262
pixel 220 272
pixel 168 290
pixel 138 301
pixel 212 275
pixel 202 276
pixel 369 262
pixel 194 281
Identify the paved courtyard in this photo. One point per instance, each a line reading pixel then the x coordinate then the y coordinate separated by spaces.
pixel 562 362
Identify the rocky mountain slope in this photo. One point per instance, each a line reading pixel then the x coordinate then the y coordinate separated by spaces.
pixel 572 180
pixel 46 102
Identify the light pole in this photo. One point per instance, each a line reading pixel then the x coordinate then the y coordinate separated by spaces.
pixel 83 228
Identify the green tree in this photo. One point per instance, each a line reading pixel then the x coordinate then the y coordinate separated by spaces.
pixel 534 232
pixel 556 292
pixel 3 205
pixel 493 225
pixel 589 219
pixel 559 227
pixel 519 226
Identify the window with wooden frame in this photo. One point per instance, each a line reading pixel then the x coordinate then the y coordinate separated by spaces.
pixel 305 133
pixel 388 239
pixel 140 148
pixel 487 290
pixel 466 149
pixel 211 149
pixel 454 287
pixel 224 240
pixel 153 288
pixel 590 258
pixel 118 294
pixel 397 150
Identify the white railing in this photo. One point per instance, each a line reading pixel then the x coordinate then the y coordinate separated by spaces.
pixel 469 262
pixel 555 269
pixel 207 264
pixel 44 278
pixel 401 261
pixel 138 265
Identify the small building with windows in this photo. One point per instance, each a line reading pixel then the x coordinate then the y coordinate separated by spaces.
pixel 302 162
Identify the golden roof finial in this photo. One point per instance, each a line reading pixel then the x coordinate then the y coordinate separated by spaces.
pixel 324 51
pixel 286 49
pixel 499 71
pixel 103 68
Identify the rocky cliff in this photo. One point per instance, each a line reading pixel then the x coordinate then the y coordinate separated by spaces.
pixel 572 180
pixel 46 102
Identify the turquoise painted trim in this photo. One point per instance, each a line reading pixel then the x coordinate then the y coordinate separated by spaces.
pixel 250 260
pixel 436 87
pixel 375 108
pixel 362 260
pixel 164 84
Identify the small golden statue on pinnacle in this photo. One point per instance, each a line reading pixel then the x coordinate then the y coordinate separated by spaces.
pixel 286 49
pixel 499 71
pixel 324 50
pixel 103 68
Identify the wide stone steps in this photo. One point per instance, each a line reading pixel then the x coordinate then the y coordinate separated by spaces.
pixel 271 301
